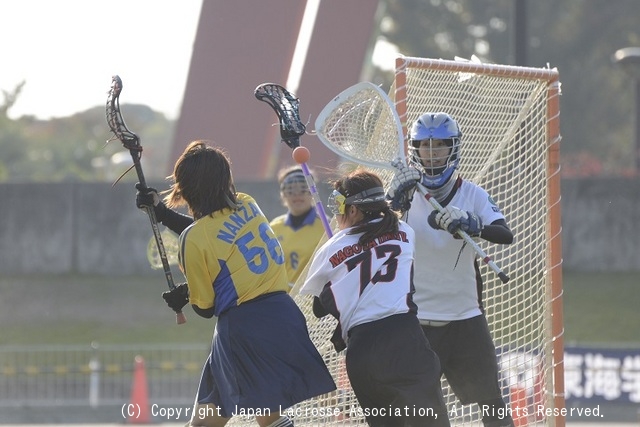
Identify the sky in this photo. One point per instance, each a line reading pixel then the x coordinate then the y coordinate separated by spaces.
pixel 66 52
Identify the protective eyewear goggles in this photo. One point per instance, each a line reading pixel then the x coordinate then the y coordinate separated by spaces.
pixel 337 201
pixel 295 185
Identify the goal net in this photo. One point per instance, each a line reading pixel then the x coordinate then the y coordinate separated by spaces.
pixel 509 118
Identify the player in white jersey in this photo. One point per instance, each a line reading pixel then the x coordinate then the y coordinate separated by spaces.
pixel 447 279
pixel 363 277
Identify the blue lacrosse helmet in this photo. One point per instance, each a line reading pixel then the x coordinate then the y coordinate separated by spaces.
pixel 437 169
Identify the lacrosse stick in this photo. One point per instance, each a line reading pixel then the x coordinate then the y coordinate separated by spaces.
pixel 291 128
pixel 131 142
pixel 353 123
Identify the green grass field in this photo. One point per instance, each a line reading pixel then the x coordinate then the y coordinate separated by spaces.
pixel 602 308
pixel 82 309
pixel 599 308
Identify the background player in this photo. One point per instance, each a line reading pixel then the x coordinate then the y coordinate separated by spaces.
pixel 300 228
pixel 262 358
pixel 447 279
pixel 363 277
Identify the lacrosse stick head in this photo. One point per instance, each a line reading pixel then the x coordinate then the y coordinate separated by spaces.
pixel 361 125
pixel 286 107
pixel 114 118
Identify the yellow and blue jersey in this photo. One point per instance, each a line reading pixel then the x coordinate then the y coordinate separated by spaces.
pixel 298 243
pixel 231 257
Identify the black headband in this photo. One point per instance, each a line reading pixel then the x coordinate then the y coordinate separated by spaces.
pixel 372 195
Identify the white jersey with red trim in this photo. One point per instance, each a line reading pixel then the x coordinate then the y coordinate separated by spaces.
pixel 362 284
pixel 445 276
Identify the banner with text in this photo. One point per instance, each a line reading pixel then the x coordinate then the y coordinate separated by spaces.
pixel 602 375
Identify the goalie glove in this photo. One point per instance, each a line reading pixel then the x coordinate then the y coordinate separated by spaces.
pixel 453 219
pixel 403 185
pixel 177 297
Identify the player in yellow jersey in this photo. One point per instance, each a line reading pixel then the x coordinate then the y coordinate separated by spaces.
pixel 300 228
pixel 262 360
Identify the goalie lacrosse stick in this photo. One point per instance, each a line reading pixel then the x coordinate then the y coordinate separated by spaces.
pixel 352 124
pixel 131 142
pixel 291 128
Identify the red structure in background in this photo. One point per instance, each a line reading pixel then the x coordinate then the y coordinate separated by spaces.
pixel 244 43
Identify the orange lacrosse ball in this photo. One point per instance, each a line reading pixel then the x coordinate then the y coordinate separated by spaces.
pixel 301 155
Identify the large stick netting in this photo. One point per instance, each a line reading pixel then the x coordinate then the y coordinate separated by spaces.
pixel 359 124
pixel 504 149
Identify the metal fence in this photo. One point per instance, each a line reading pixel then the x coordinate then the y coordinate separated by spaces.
pixel 95 375
pixel 91 382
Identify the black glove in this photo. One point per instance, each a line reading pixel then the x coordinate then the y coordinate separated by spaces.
pixel 177 298
pixel 146 197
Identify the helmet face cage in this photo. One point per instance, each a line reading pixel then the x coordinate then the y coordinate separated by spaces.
pixel 430 127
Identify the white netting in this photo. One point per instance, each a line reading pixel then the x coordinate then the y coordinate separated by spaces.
pixel 508 116
pixel 508 132
pixel 359 125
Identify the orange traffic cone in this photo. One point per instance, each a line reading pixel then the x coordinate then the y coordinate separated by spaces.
pixel 139 412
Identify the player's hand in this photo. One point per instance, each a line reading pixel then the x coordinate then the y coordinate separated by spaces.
pixel 177 298
pixel 453 219
pixel 146 197
pixel 403 185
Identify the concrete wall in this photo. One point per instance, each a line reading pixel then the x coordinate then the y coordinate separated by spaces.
pixel 89 228
pixel 601 224
pixel 92 228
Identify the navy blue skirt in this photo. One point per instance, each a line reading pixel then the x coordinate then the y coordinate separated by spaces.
pixel 262 359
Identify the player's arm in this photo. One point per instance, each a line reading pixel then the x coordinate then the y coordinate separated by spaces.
pixel 147 197
pixel 207 313
pixel 174 221
pixel 452 219
pixel 495 228
pixel 497 232
pixel 178 297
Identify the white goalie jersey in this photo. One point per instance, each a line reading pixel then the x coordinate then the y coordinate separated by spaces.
pixel 362 284
pixel 445 272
